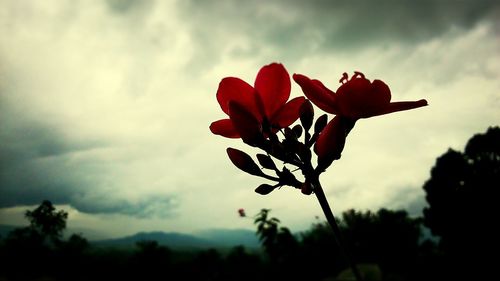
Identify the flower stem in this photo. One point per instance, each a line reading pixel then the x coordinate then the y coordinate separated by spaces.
pixel 320 194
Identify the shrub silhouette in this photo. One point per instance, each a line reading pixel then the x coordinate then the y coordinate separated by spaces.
pixel 460 193
pixel 47 221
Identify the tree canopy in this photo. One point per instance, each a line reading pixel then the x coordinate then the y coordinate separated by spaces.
pixel 461 194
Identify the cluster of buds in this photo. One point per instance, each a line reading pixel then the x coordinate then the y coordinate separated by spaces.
pixel 290 146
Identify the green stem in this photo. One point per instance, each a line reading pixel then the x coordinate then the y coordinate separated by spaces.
pixel 320 194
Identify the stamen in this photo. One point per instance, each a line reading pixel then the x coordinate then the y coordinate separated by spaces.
pixel 358 74
pixel 344 78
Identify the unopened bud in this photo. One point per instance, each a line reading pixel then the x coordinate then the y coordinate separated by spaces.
pixel 266 161
pixel 306 112
pixel 306 188
pixel 243 161
pixel 264 189
pixel 320 123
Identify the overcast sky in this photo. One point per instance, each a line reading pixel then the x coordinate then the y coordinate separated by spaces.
pixel 105 105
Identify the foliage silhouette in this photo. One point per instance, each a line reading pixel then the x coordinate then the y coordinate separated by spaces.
pixel 460 193
pixel 386 239
pixel 47 221
pixel 280 245
pixel 34 245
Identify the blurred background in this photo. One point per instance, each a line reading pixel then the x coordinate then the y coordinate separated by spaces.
pixel 105 105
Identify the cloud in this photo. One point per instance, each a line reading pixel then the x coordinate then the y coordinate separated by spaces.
pixel 95 112
pixel 106 105
pixel 40 160
pixel 145 207
pixel 294 29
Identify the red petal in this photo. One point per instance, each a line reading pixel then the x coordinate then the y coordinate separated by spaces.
pixel 225 128
pixel 288 113
pixel 245 123
pixel 355 98
pixel 399 106
pixel 314 90
pixel 235 89
pixel 330 142
pixel 273 86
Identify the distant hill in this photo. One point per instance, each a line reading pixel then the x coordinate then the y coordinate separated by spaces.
pixel 213 238
pixel 171 239
pixel 216 238
pixel 5 229
pixel 231 237
pixel 86 232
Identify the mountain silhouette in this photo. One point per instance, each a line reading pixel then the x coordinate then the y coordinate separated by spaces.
pixel 216 238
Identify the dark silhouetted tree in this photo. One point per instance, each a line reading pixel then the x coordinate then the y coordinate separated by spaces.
pixel 47 221
pixel 277 241
pixel 76 245
pixel 150 261
pixel 387 238
pixel 321 252
pixel 386 241
pixel 461 211
pixel 241 265
pixel 282 248
pixel 36 246
pixel 267 229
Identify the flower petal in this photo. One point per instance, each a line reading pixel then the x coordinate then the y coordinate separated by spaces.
pixel 225 128
pixel 288 114
pixel 331 141
pixel 273 86
pixel 314 90
pixel 398 106
pixel 245 123
pixel 355 97
pixel 235 89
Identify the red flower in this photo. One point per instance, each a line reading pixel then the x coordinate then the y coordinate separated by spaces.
pixel 256 110
pixel 241 212
pixel 355 98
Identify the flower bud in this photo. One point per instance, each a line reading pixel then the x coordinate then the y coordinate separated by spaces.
pixel 242 213
pixel 320 123
pixel 264 189
pixel 266 161
pixel 331 141
pixel 306 112
pixel 297 130
pixel 243 161
pixel 306 188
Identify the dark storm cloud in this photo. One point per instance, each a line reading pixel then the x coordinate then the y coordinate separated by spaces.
pixel 34 164
pixel 299 27
pixel 37 162
pixel 146 207
pixel 130 6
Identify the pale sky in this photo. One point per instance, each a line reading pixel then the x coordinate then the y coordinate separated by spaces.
pixel 105 105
